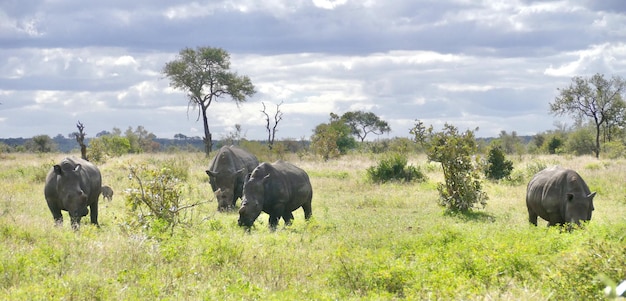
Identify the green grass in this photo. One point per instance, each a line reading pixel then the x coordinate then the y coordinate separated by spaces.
pixel 365 241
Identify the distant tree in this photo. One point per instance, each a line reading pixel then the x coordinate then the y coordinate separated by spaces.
pixel 180 137
pixel 204 74
pixel 103 133
pixel 580 141
pixel 498 167
pixel 362 123
pixel 596 99
pixel 233 137
pixel 271 129
pixel 509 143
pixel 141 140
pixel 332 139
pixel 80 138
pixel 41 144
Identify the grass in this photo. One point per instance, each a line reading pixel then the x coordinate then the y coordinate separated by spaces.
pixel 365 241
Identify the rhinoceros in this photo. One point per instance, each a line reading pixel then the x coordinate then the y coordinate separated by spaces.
pixel 277 189
pixel 559 196
pixel 107 192
pixel 72 185
pixel 227 172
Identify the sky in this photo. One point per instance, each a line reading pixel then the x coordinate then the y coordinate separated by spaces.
pixel 495 65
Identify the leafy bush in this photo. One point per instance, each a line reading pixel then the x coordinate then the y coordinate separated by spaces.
pixel 394 167
pixel 154 200
pixel 462 189
pixel 498 167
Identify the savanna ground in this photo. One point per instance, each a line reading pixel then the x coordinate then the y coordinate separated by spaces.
pixel 365 241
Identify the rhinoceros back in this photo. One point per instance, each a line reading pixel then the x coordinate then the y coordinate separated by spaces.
pixel 291 183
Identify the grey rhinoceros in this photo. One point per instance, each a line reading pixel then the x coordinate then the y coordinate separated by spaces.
pixel 73 185
pixel 227 172
pixel 277 189
pixel 559 196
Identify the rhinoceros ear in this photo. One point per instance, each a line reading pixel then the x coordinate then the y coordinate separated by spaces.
pixel 591 195
pixel 570 197
pixel 58 170
pixel 77 168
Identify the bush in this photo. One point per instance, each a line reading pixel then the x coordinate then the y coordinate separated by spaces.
pixel 394 167
pixel 462 189
pixel 155 200
pixel 498 167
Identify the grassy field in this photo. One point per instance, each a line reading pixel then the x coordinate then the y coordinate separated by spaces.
pixel 364 242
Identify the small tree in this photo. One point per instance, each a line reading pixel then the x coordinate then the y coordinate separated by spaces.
pixel 41 144
pixel 204 74
pixel 462 189
pixel 498 167
pixel 155 199
pixel 362 123
pixel 271 129
pixel 595 99
pixel 332 139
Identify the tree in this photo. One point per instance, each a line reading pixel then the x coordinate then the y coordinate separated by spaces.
pixel 41 144
pixel 498 167
pixel 271 130
pixel 596 99
pixel 362 123
pixel 462 188
pixel 204 74
pixel 332 139
pixel 80 138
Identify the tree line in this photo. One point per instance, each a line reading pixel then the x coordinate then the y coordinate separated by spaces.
pixel 595 104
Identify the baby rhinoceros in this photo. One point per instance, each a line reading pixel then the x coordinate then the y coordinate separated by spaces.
pixel 277 189
pixel 107 192
pixel 560 196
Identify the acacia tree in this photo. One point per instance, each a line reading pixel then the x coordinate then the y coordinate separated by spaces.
pixel 596 99
pixel 204 74
pixel 362 123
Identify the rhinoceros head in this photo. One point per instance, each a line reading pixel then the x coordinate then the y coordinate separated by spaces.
pixel 578 208
pixel 224 184
pixel 72 197
pixel 253 199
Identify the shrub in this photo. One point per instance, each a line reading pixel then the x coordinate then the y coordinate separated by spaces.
pixel 155 200
pixel 462 189
pixel 498 167
pixel 394 167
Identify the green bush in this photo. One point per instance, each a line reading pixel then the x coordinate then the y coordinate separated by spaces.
pixel 498 167
pixel 154 200
pixel 462 189
pixel 394 167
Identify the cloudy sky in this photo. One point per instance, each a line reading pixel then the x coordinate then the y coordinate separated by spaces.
pixel 492 64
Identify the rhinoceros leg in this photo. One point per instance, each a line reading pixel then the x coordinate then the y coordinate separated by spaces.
pixel 554 219
pixel 273 221
pixel 288 218
pixel 307 210
pixel 56 214
pixel 532 217
pixel 93 210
